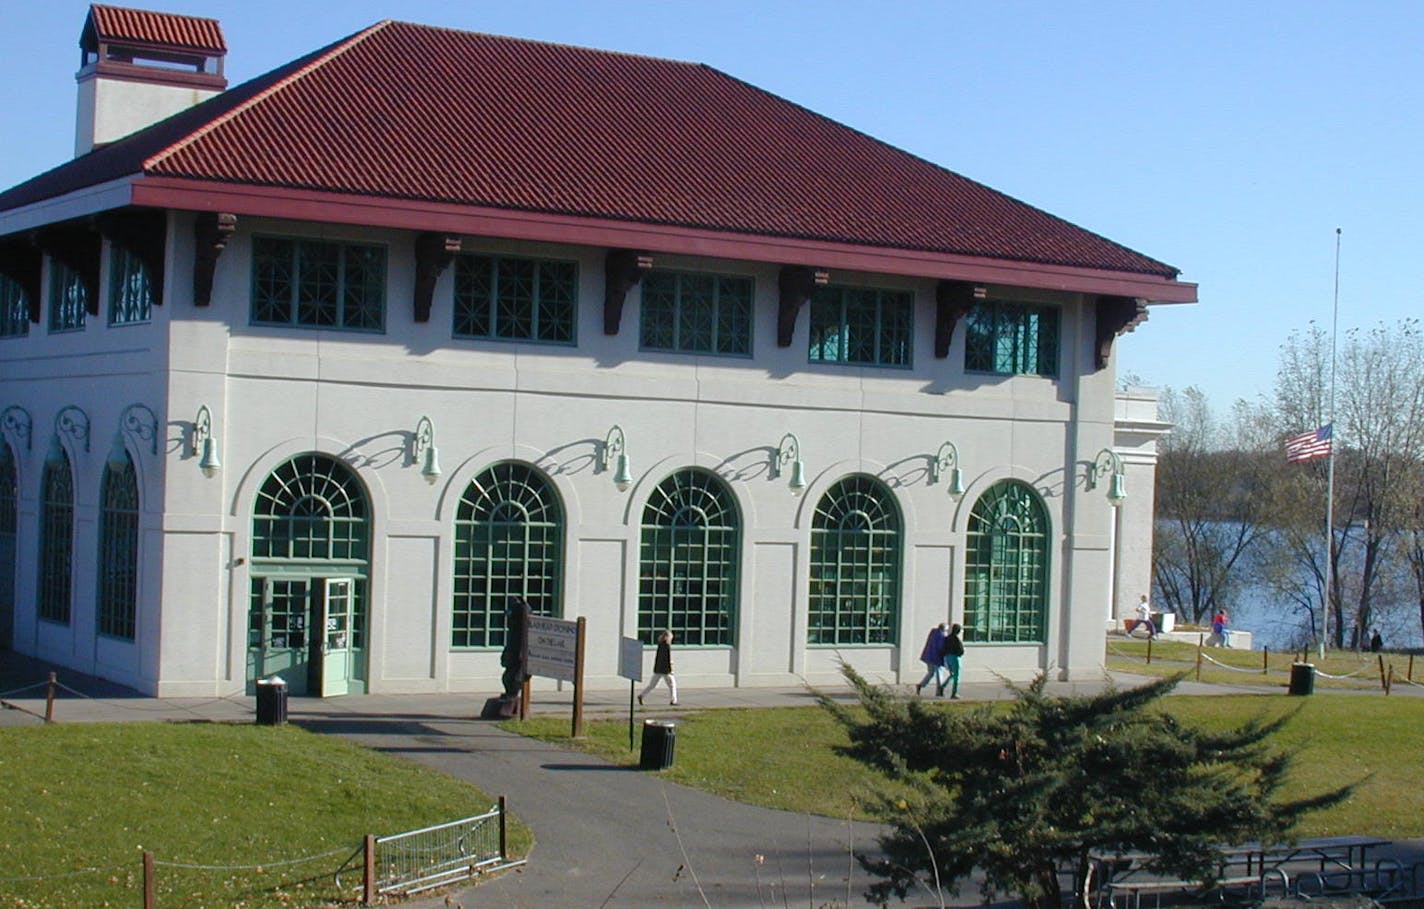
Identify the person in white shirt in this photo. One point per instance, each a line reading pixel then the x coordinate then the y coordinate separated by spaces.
pixel 1144 618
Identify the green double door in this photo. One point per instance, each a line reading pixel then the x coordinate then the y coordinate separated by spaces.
pixel 311 632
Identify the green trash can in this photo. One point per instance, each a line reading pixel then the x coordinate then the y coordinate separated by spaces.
pixel 659 740
pixel 1302 679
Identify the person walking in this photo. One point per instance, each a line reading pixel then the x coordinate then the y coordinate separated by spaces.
pixel 933 658
pixel 1218 630
pixel 662 668
pixel 1144 617
pixel 953 650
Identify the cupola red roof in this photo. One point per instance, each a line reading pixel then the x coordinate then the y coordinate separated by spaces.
pixel 410 112
pixel 137 26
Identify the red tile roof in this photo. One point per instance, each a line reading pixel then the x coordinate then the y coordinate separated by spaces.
pixel 414 112
pixel 113 23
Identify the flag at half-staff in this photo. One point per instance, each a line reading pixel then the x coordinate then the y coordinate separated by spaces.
pixel 1309 445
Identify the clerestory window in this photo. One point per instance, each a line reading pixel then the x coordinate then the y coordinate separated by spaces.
pixel 318 284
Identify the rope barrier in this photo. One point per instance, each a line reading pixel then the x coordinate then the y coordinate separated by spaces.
pixel 163 708
pixel 262 866
pixel 1348 675
pixel 6 694
pixel 1208 657
pixel 54 877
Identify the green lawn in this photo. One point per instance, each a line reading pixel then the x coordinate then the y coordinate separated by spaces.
pixel 84 801
pixel 785 757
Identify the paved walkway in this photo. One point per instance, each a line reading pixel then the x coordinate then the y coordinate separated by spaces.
pixel 606 836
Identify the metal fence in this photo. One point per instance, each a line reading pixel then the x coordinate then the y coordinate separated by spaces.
pixel 418 860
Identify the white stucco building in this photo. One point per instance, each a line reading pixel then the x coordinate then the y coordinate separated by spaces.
pixel 313 376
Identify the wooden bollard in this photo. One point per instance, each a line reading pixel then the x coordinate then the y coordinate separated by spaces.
pixel 1409 673
pixel 1149 651
pixel 1199 659
pixel 1384 683
pixel 368 875
pixel 49 700
pixel 1265 660
pixel 150 881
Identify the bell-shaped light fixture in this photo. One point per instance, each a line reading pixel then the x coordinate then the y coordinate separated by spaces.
pixel 204 445
pixel 1108 463
pixel 946 465
pixel 615 450
pixel 788 454
pixel 423 450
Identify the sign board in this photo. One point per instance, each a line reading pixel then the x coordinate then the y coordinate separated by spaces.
pixel 630 659
pixel 553 647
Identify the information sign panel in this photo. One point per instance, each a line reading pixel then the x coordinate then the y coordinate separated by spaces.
pixel 553 646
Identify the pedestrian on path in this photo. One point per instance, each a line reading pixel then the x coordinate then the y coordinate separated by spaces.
pixel 933 658
pixel 1144 618
pixel 953 650
pixel 662 668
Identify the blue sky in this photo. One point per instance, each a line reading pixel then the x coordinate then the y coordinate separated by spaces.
pixel 1228 139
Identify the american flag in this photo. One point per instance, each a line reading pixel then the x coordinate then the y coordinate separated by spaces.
pixel 1309 445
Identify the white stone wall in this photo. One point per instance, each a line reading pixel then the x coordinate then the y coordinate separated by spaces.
pixel 277 392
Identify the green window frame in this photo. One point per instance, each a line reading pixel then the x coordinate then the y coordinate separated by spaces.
pixel 696 312
pixel 862 326
pixel 1006 567
pixel 118 550
pixel 318 284
pixel 509 542
pixel 68 299
pixel 855 565
pixel 130 288
pixel 515 299
pixel 1012 339
pixel 14 309
pixel 312 508
pixel 56 538
pixel 688 561
pixel 9 537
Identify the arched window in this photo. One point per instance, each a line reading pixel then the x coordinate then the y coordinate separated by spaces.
pixel 1006 569
pixel 855 565
pixel 687 570
pixel 118 550
pixel 56 536
pixel 9 501
pixel 509 533
pixel 311 508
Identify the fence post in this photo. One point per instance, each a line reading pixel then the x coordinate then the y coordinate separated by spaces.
pixel 368 873
pixel 503 831
pixel 150 881
pixel 1265 660
pixel 1149 651
pixel 49 700
pixel 1199 657
pixel 1410 672
pixel 1389 679
pixel 1383 683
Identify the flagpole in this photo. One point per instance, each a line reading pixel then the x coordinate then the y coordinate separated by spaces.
pixel 1330 470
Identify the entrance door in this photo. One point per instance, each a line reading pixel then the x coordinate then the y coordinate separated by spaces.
pixel 277 631
pixel 338 649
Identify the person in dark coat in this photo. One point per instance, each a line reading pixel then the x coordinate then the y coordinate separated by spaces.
pixel 933 658
pixel 662 668
pixel 1376 642
pixel 953 650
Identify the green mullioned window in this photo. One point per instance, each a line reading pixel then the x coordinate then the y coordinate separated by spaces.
pixel 515 299
pixel 311 508
pixel 687 566
pixel 14 309
pixel 1006 567
pixel 1012 339
pixel 509 542
pixel 855 565
pixel 130 289
pixel 118 551
pixel 318 284
pixel 68 299
pixel 56 538
pixel 862 326
pixel 692 312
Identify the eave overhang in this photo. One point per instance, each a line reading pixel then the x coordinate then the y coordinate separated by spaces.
pixel 407 214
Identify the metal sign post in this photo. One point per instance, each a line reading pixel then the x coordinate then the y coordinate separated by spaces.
pixel 630 667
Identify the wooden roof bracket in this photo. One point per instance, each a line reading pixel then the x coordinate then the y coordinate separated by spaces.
pixel 797 284
pixel 1115 316
pixel 953 301
pixel 21 262
pixel 211 231
pixel 622 270
pixel 144 233
pixel 78 246
pixel 433 254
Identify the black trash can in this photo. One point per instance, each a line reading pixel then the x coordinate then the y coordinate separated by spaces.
pixel 272 701
pixel 1302 680
pixel 659 740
